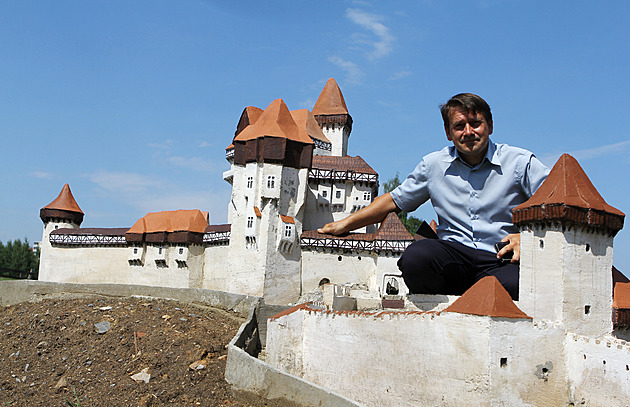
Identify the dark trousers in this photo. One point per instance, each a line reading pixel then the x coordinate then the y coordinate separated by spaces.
pixel 432 266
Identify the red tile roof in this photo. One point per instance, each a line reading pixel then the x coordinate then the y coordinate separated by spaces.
pixel 171 221
pixel 249 116
pixel 621 297
pixel 257 212
pixel 347 163
pixel 275 121
pixel 305 120
pixel 392 229
pixel 330 101
pixel 487 297
pixel 65 201
pixel 287 219
pixel 569 195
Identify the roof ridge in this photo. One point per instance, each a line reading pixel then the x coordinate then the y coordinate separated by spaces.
pixel 65 201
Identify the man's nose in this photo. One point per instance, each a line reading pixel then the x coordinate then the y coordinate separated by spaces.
pixel 468 129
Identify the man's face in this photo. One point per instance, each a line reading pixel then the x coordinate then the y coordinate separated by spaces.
pixel 469 133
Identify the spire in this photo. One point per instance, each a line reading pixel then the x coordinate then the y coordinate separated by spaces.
pixel 331 100
pixel 63 207
pixel 568 196
pixel 487 297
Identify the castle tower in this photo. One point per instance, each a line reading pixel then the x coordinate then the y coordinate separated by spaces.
pixel 332 115
pixel 567 232
pixel 272 157
pixel 62 213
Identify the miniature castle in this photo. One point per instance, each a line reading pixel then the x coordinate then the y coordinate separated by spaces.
pixel 562 343
pixel 290 174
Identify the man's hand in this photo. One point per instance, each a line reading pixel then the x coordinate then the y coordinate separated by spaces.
pixel 334 228
pixel 514 245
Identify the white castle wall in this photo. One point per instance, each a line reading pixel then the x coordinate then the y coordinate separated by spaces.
pixel 565 276
pixel 447 359
pixel 338 136
pixel 215 276
pixel 599 371
pixel 352 268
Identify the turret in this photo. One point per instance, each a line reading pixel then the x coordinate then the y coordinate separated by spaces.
pixel 332 115
pixel 62 213
pixel 567 232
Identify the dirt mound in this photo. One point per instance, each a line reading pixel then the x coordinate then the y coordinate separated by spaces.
pixel 117 352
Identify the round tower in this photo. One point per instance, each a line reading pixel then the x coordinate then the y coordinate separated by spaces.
pixel 62 213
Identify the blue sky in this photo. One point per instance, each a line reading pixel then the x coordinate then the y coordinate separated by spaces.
pixel 133 102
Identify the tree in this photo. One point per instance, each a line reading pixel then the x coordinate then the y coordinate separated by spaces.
pixel 411 223
pixel 18 255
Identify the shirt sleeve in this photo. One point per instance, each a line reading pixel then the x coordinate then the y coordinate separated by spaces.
pixel 535 174
pixel 414 191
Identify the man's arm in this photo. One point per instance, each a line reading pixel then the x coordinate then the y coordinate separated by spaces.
pixel 373 213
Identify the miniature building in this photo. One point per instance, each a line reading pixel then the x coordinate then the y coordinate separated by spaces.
pixel 290 174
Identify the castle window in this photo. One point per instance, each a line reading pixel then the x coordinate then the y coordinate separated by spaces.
pixel 367 196
pixel 181 250
pixel 250 221
pixel 503 362
pixel 588 247
pixel 135 250
pixel 338 194
pixel 324 194
pixel 271 181
pixel 160 250
pixel 250 182
pixel 587 309
pixel 287 231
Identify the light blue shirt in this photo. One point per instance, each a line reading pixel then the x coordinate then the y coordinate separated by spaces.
pixel 473 204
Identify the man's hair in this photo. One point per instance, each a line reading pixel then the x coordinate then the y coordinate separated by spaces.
pixel 470 102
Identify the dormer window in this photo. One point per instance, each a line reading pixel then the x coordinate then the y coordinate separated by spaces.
pixel 271 181
pixel 250 182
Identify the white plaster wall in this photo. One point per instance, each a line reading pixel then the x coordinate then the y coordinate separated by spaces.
pixel 338 136
pixel 46 271
pixel 534 370
pixel 598 371
pixel 353 268
pixel 558 278
pixel 393 360
pixel 215 275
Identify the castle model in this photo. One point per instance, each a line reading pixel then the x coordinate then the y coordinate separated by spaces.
pixel 563 343
pixel 290 174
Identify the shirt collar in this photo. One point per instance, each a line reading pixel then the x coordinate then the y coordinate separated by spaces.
pixel 491 154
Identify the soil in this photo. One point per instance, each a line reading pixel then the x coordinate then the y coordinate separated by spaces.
pixel 53 355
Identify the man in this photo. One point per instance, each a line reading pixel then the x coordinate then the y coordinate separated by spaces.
pixel 473 186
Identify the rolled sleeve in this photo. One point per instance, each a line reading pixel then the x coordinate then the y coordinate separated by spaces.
pixel 414 191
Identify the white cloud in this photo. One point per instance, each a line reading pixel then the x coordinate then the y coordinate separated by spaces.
pixel 384 41
pixel 191 163
pixel 399 75
pixel 205 144
pixel 352 70
pixel 588 153
pixel 43 174
pixel 124 182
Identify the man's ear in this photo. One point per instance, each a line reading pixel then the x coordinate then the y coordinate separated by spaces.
pixel 490 127
pixel 448 135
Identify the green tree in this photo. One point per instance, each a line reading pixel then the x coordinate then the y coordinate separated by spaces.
pixel 18 255
pixel 411 223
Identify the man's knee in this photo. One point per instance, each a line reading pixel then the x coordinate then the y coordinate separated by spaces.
pixel 418 256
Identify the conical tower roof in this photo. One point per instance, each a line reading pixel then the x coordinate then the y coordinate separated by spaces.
pixel 568 196
pixel 63 207
pixel 330 101
pixel 275 121
pixel 487 297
